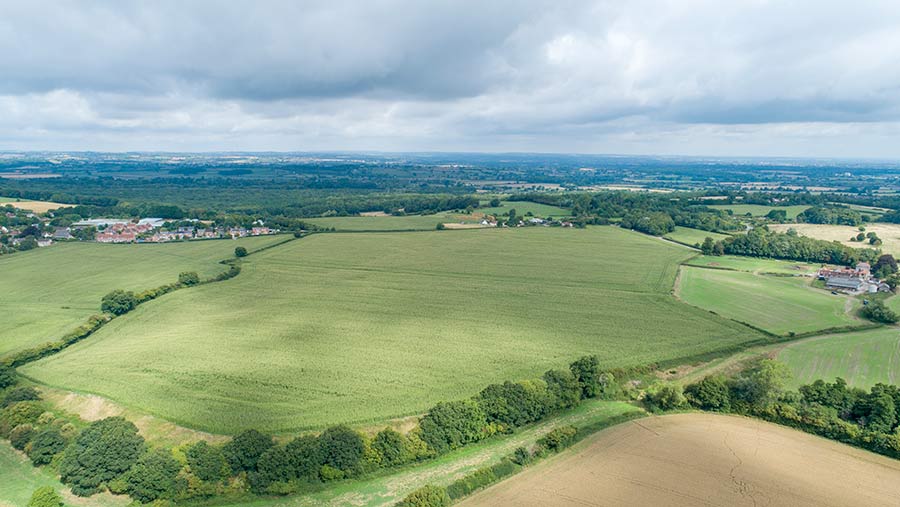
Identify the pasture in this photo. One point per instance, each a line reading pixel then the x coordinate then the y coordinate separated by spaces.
pixel 862 359
pixel 759 210
pixel 365 327
pixel 889 234
pixel 779 305
pixel 753 264
pixel 50 291
pixel 701 459
pixel 692 237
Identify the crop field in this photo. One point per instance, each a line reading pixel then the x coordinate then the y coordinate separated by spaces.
pixel 50 291
pixel 702 459
pixel 777 304
pixel 889 234
pixel 688 236
pixel 862 359
pixel 364 327
pixel 759 210
pixel 35 206
pixel 429 222
pixel 753 264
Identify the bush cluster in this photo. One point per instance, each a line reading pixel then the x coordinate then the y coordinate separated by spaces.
pixel 868 419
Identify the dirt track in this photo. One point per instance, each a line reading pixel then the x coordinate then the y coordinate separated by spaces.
pixel 702 459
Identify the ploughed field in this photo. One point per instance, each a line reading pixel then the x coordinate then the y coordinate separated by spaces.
pixel 364 327
pixel 778 304
pixel 46 293
pixel 862 359
pixel 702 459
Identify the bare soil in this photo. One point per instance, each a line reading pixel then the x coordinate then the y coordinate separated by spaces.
pixel 703 459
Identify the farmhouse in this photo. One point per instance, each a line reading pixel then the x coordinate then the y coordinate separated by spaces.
pixel 856 280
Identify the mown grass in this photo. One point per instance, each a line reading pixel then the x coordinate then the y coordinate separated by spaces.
pixel 692 237
pixel 862 359
pixel 364 327
pixel 48 292
pixel 759 210
pixel 780 305
pixel 753 264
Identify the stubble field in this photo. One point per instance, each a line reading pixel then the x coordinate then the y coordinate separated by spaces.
pixel 363 327
pixel 702 459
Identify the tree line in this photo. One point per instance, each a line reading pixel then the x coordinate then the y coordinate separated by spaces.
pixel 110 453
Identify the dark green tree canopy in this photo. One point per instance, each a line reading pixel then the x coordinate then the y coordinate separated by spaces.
pixel 244 450
pixel 118 302
pixel 103 451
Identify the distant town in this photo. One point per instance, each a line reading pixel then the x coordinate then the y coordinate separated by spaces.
pixel 25 230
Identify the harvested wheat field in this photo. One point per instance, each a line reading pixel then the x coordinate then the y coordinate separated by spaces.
pixel 703 459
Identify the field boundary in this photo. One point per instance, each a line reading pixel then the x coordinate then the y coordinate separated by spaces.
pixel 95 322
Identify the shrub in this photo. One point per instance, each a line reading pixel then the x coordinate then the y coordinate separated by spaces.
pixel 45 497
pixel 449 425
pixel 188 278
pixel 207 462
pixel 711 393
pixel 306 456
pixel 118 302
pixel 45 445
pixel 23 412
pixel 665 397
pixel 876 311
pixel 521 456
pixel 514 403
pixel 426 496
pixel 7 376
pixel 153 477
pixel 244 450
pixel 240 252
pixel 21 435
pixel 393 447
pixel 563 388
pixel 587 373
pixel 104 450
pixel 558 438
pixel 18 394
pixel 342 448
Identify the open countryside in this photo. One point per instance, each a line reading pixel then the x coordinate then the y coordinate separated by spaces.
pixel 703 459
pixel 366 327
pixel 53 290
pixel 862 359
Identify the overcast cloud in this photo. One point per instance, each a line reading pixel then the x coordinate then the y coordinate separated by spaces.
pixel 737 77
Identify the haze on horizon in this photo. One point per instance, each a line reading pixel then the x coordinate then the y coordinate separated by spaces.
pixel 690 77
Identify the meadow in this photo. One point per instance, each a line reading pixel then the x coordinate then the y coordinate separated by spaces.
pixel 759 210
pixel 49 291
pixel 862 359
pixel 692 237
pixel 753 264
pixel 364 327
pixel 780 305
pixel 889 234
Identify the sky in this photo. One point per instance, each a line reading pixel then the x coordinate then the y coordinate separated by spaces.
pixel 683 77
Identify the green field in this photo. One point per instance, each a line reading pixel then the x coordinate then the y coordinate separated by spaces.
pixel 691 237
pixel 386 223
pixel 363 327
pixel 48 292
pixel 753 264
pixel 777 304
pixel 429 222
pixel 862 359
pixel 759 210
pixel 18 480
